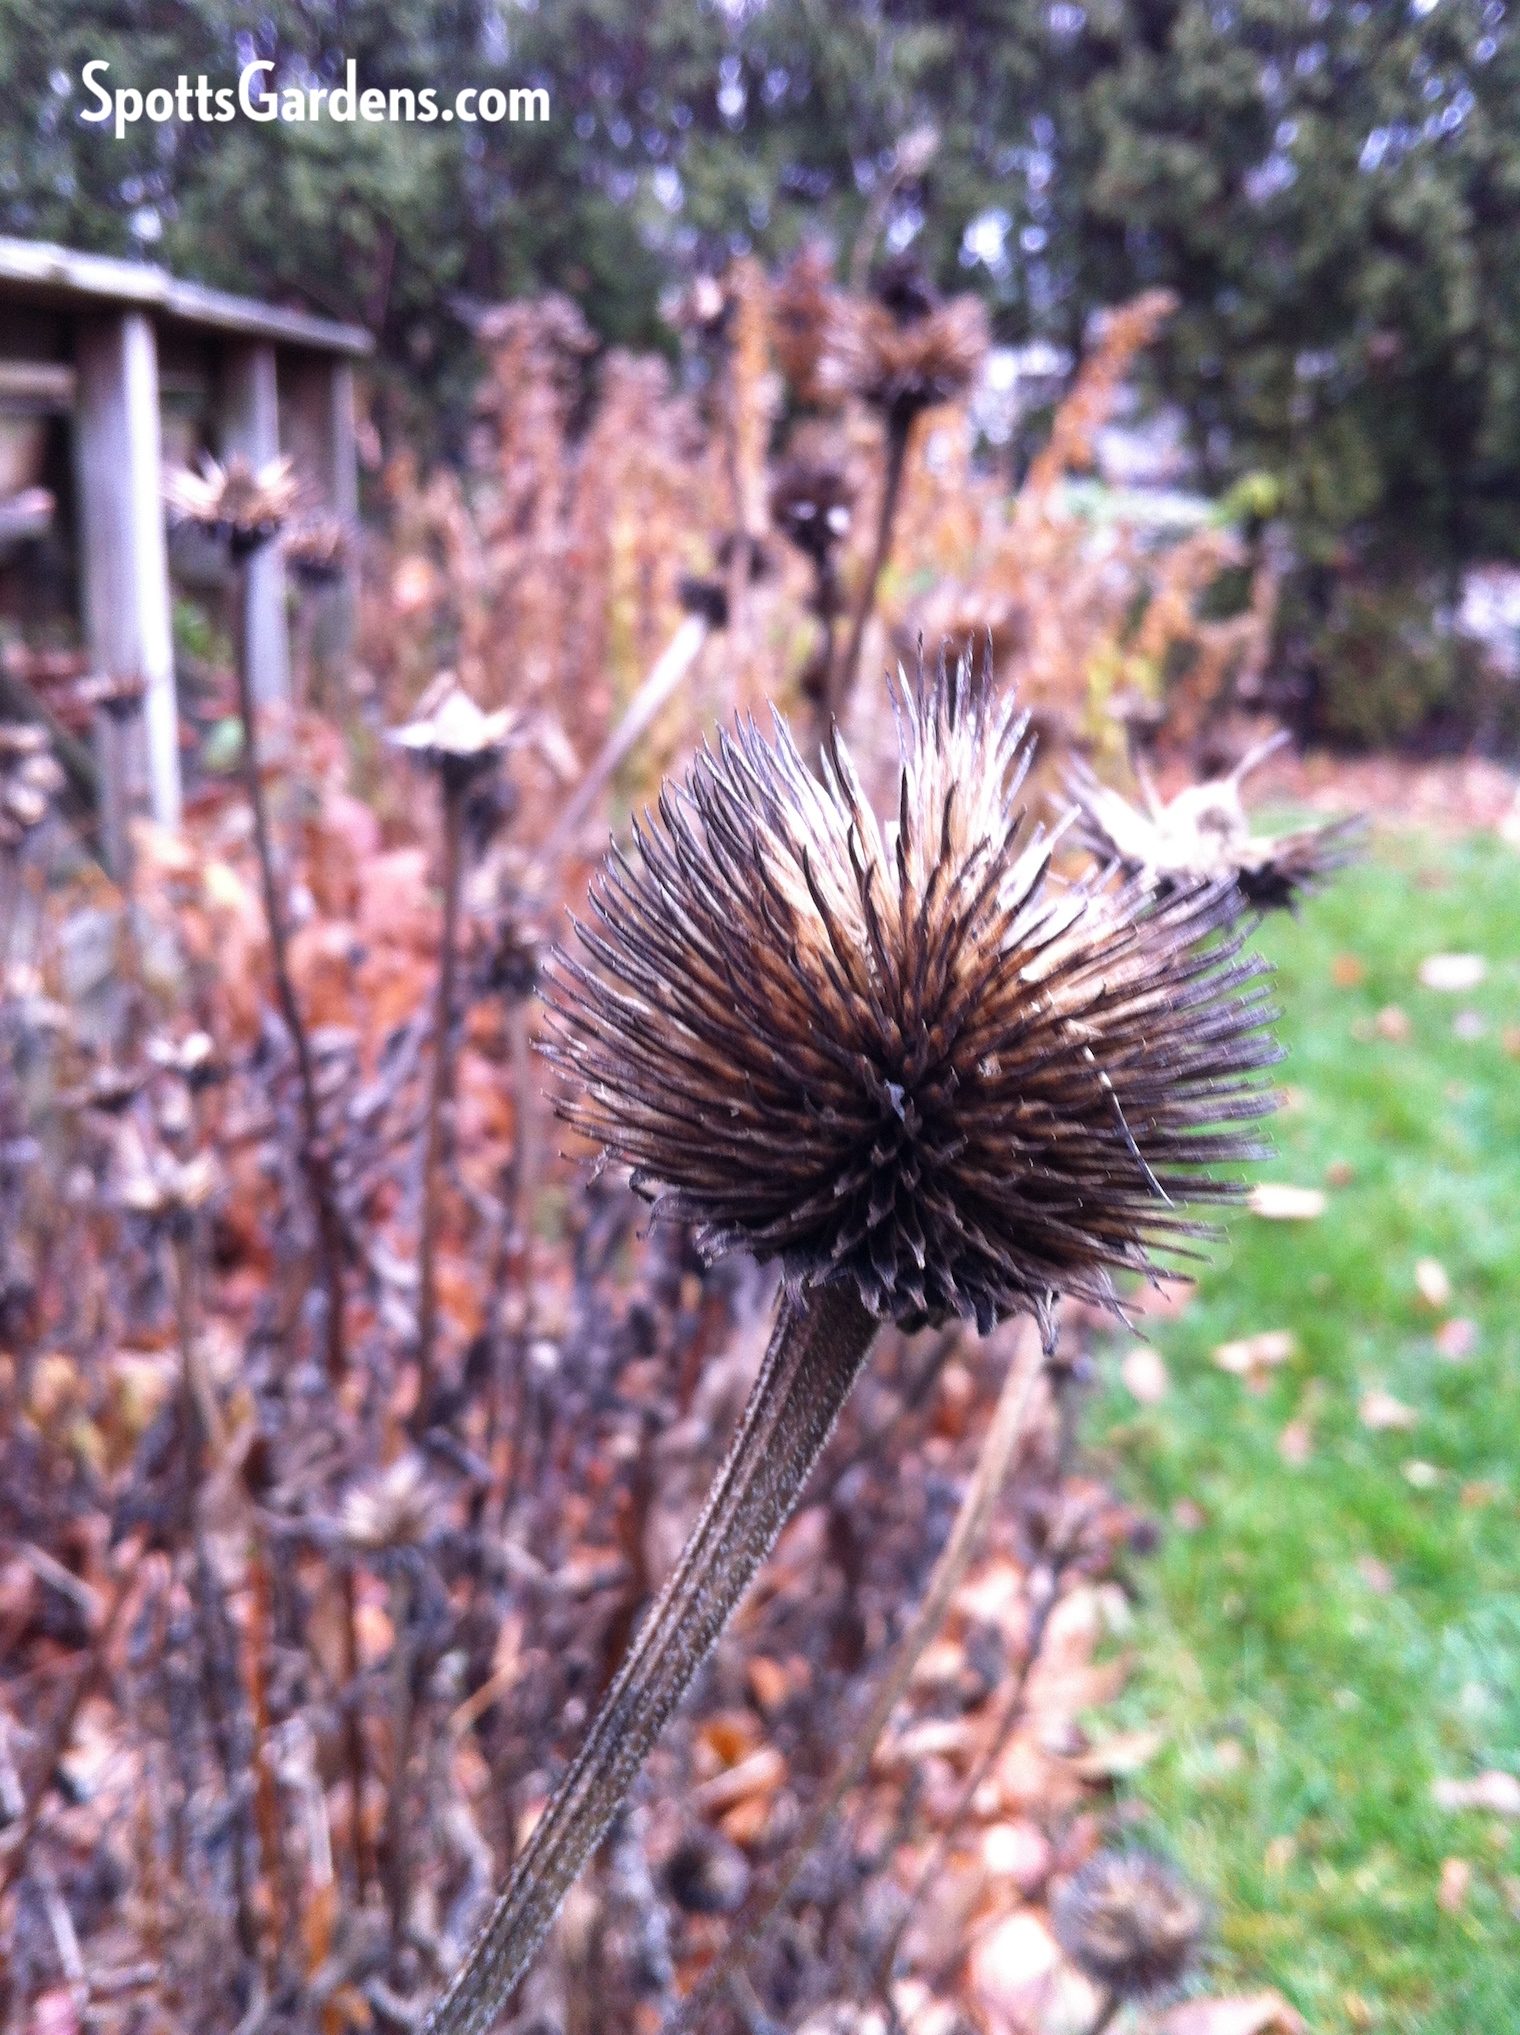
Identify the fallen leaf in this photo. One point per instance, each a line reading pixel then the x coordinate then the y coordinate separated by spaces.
pixel 1243 2014
pixel 1380 1411
pixel 1494 1791
pixel 1457 1339
pixel 1296 1443
pixel 1453 972
pixel 1279 1202
pixel 1145 1375
pixel 1433 1283
pixel 1120 1756
pixel 1456 1884
pixel 1251 1357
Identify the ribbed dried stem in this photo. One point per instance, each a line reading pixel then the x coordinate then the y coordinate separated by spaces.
pixel 439 1086
pixel 1006 1428
pixel 816 1353
pixel 314 1160
pixel 842 675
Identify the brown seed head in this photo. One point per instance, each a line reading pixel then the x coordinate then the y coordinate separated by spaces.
pixel 451 735
pixel 808 319
pixel 1204 835
pixel 398 1507
pixel 30 780
pixel 316 550
pixel 811 505
pixel 906 350
pixel 1129 1922
pixel 905 1057
pixel 238 504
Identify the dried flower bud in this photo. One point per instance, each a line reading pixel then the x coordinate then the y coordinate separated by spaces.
pixel 1129 1922
pixel 193 1058
pixel 811 504
pixel 30 780
pixel 395 1509
pixel 905 351
pixel 808 323
pixel 906 1058
pixel 117 695
pixel 237 504
pixel 1203 835
pixel 316 550
pixel 451 735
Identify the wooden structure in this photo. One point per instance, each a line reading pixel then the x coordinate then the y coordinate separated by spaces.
pixel 131 357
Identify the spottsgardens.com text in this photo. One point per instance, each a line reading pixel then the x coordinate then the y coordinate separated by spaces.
pixel 256 97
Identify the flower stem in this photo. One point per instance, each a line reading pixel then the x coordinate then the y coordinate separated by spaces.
pixel 842 677
pixel 314 1158
pixel 438 1094
pixel 816 1353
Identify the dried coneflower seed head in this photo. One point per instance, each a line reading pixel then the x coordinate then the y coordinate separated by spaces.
pixel 316 550
pixel 909 351
pixel 452 736
pixel 811 505
pixel 1129 1922
pixel 1204 834
pixel 238 504
pixel 905 1058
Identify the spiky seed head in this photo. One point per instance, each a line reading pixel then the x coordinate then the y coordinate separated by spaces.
pixel 811 505
pixel 316 550
pixel 1204 835
pixel 904 1057
pixel 452 736
pixel 236 503
pixel 808 319
pixel 907 350
pixel 398 1507
pixel 1130 1922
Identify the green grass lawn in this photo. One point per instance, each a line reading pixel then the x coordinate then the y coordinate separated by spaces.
pixel 1322 1641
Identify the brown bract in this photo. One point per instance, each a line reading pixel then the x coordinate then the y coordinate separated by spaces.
pixel 238 504
pixel 1130 1922
pixel 904 1056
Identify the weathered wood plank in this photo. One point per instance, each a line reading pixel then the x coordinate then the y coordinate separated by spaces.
pixel 251 426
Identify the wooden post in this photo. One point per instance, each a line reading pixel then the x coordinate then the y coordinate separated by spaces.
pixel 318 427
pixel 125 566
pixel 251 426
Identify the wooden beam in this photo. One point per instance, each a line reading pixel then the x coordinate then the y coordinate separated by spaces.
pixel 317 420
pixel 125 567
pixel 251 426
pixel 41 272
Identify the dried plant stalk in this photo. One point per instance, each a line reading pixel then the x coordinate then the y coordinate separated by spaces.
pixel 819 1345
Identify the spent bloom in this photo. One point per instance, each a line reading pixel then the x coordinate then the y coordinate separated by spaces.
pixel 236 503
pixel 1204 834
pixel 1129 1922
pixel 904 1057
pixel 909 349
